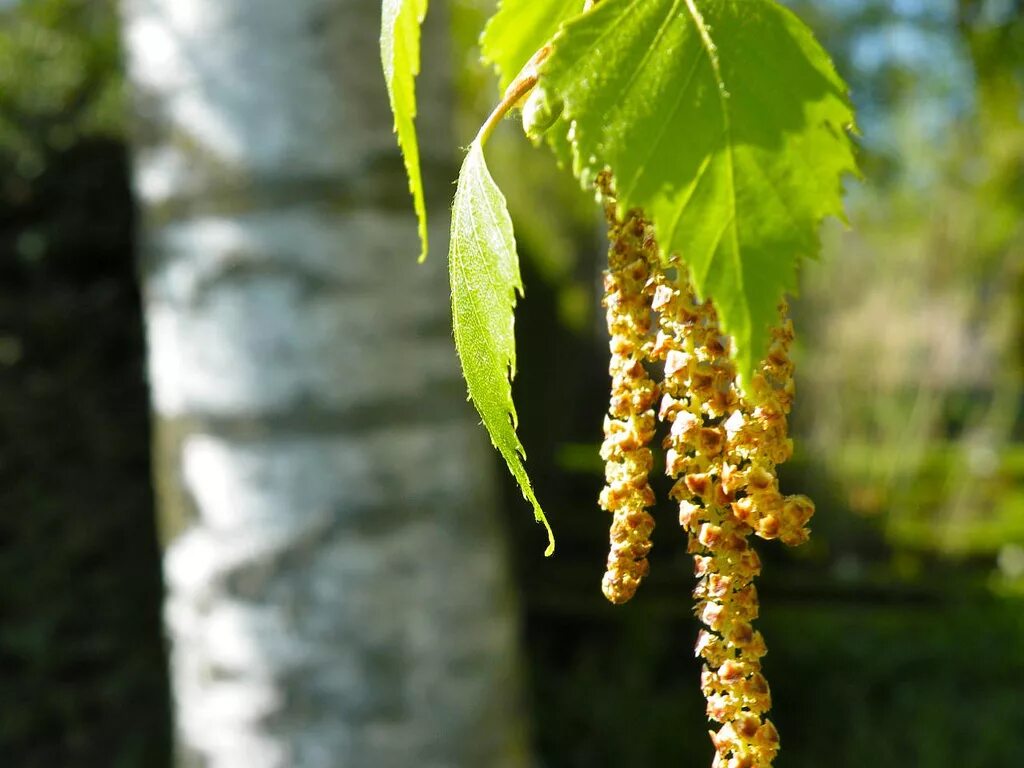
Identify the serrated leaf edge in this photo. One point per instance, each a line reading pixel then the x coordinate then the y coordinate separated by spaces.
pixel 745 359
pixel 394 13
pixel 513 453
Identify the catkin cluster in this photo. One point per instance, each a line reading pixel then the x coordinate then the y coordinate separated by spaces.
pixel 721 449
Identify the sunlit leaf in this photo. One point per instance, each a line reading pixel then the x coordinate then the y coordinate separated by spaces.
pixel 484 269
pixel 400 56
pixel 725 121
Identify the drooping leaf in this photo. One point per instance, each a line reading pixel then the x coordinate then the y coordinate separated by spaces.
pixel 725 121
pixel 484 271
pixel 400 56
pixel 519 29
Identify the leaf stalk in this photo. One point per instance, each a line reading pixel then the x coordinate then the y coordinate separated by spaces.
pixel 518 89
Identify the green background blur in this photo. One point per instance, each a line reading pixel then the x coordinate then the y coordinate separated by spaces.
pixel 896 636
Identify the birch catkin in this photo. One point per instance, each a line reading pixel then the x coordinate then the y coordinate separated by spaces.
pixel 701 396
pixel 629 425
pixel 757 441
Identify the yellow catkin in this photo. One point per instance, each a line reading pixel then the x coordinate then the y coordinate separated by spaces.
pixel 710 442
pixel 629 426
pixel 757 441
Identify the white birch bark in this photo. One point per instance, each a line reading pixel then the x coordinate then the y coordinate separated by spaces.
pixel 336 586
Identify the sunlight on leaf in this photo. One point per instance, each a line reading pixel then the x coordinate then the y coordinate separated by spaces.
pixel 400 56
pixel 484 269
pixel 725 121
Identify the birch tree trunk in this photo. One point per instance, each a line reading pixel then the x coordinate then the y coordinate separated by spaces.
pixel 337 594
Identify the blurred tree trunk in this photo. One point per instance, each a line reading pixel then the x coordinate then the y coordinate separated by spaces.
pixel 337 594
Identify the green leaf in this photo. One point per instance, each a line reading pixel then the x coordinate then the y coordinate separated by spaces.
pixel 400 56
pixel 484 270
pixel 519 29
pixel 725 121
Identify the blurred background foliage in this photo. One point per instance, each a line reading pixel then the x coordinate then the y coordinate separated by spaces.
pixel 60 80
pixel 896 636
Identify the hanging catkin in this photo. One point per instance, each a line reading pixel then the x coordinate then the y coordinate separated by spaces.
pixel 758 441
pixel 700 395
pixel 629 425
pixel 722 450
